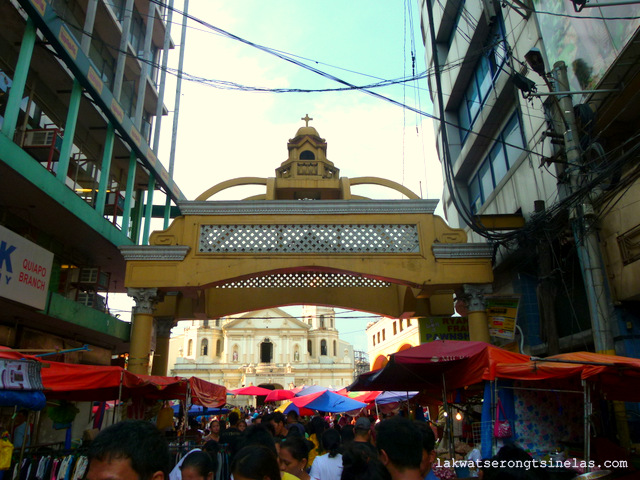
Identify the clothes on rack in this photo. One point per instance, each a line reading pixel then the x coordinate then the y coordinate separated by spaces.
pixel 51 467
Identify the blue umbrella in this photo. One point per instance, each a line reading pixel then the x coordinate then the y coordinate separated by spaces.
pixel 334 403
pixel 196 410
pixel 391 397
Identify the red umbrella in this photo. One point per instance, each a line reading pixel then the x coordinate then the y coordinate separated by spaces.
pixel 278 394
pixel 251 390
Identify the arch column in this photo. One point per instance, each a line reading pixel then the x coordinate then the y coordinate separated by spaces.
pixel 161 354
pixel 140 349
pixel 478 322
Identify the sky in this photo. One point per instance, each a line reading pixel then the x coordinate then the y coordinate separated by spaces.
pixel 224 133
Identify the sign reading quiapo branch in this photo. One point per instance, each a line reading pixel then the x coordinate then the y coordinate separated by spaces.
pixel 25 270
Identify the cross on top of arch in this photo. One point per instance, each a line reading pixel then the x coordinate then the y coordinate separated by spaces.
pixel 306 118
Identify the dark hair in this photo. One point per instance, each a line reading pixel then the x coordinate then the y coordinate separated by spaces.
pixel 297 446
pixel 293 414
pixel 256 462
pixel 278 417
pixel 213 449
pixel 257 435
pixel 360 462
pixel 428 437
pixel 139 441
pixel 331 441
pixel 233 419
pixel 347 434
pixel 317 426
pixel 401 440
pixel 201 462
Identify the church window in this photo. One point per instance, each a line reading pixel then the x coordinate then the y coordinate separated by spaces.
pixel 384 334
pixel 217 322
pixel 378 337
pixel 321 321
pixel 190 348
pixel 395 328
pixel 307 155
pixel 309 321
pixel 309 347
pixel 205 323
pixel 401 325
pixel 218 347
pixel 266 351
pixel 374 340
pixel 323 347
pixel 408 322
pixel 335 348
pixel 204 347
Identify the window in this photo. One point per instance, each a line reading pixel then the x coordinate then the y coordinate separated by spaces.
pixel 373 338
pixel 378 337
pixel 309 347
pixel 323 347
pixel 408 322
pixel 482 79
pixel 204 347
pixel 190 347
pixel 395 328
pixel 321 321
pixel 307 155
pixel 501 157
pixel 335 348
pixel 218 347
pixel 401 325
pixel 384 331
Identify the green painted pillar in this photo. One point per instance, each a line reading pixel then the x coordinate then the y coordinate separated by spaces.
pixel 148 211
pixel 128 194
pixel 137 216
pixel 19 80
pixel 69 130
pixel 105 169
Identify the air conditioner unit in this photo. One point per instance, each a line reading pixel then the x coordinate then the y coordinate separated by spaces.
pixel 43 138
pixel 91 299
pixel 93 277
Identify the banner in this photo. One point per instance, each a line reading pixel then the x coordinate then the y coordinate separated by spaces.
pixel 25 270
pixel 443 328
pixel 20 375
pixel 502 313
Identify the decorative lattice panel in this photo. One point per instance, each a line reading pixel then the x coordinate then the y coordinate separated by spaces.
pixel 309 239
pixel 307 280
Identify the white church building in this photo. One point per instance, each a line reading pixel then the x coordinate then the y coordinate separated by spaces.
pixel 265 348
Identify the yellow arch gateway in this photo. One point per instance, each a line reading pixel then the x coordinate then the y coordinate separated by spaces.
pixel 307 241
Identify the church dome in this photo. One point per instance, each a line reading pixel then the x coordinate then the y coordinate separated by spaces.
pixel 307 131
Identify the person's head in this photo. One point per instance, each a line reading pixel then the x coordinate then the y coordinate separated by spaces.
pixel 362 429
pixel 129 450
pixel 257 435
pixel 399 444
pixel 197 466
pixel 293 455
pixel 255 462
pixel 360 462
pixel 347 434
pixel 242 425
pixel 21 416
pixel 292 417
pixel 214 426
pixel 428 447
pixel 278 420
pixel 317 426
pixel 331 440
pixel 212 448
pixel 233 418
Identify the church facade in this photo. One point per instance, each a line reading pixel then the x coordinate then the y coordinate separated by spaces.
pixel 266 348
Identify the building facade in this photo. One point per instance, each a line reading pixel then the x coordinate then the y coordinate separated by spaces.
pixel 550 179
pixel 80 109
pixel 265 348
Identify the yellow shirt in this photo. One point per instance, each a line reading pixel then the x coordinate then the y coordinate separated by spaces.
pixel 288 476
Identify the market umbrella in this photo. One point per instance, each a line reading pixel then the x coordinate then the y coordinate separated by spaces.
pixel 391 397
pixel 279 394
pixel 251 390
pixel 310 389
pixel 288 406
pixel 329 401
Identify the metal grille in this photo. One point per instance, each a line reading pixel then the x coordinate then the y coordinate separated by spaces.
pixel 316 238
pixel 307 280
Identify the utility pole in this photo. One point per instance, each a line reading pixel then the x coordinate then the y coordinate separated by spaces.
pixel 583 220
pixel 584 225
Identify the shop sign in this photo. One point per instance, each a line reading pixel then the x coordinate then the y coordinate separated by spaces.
pixel 20 375
pixel 443 328
pixel 502 313
pixel 25 270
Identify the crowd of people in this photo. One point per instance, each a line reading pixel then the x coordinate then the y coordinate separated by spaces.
pixel 276 446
